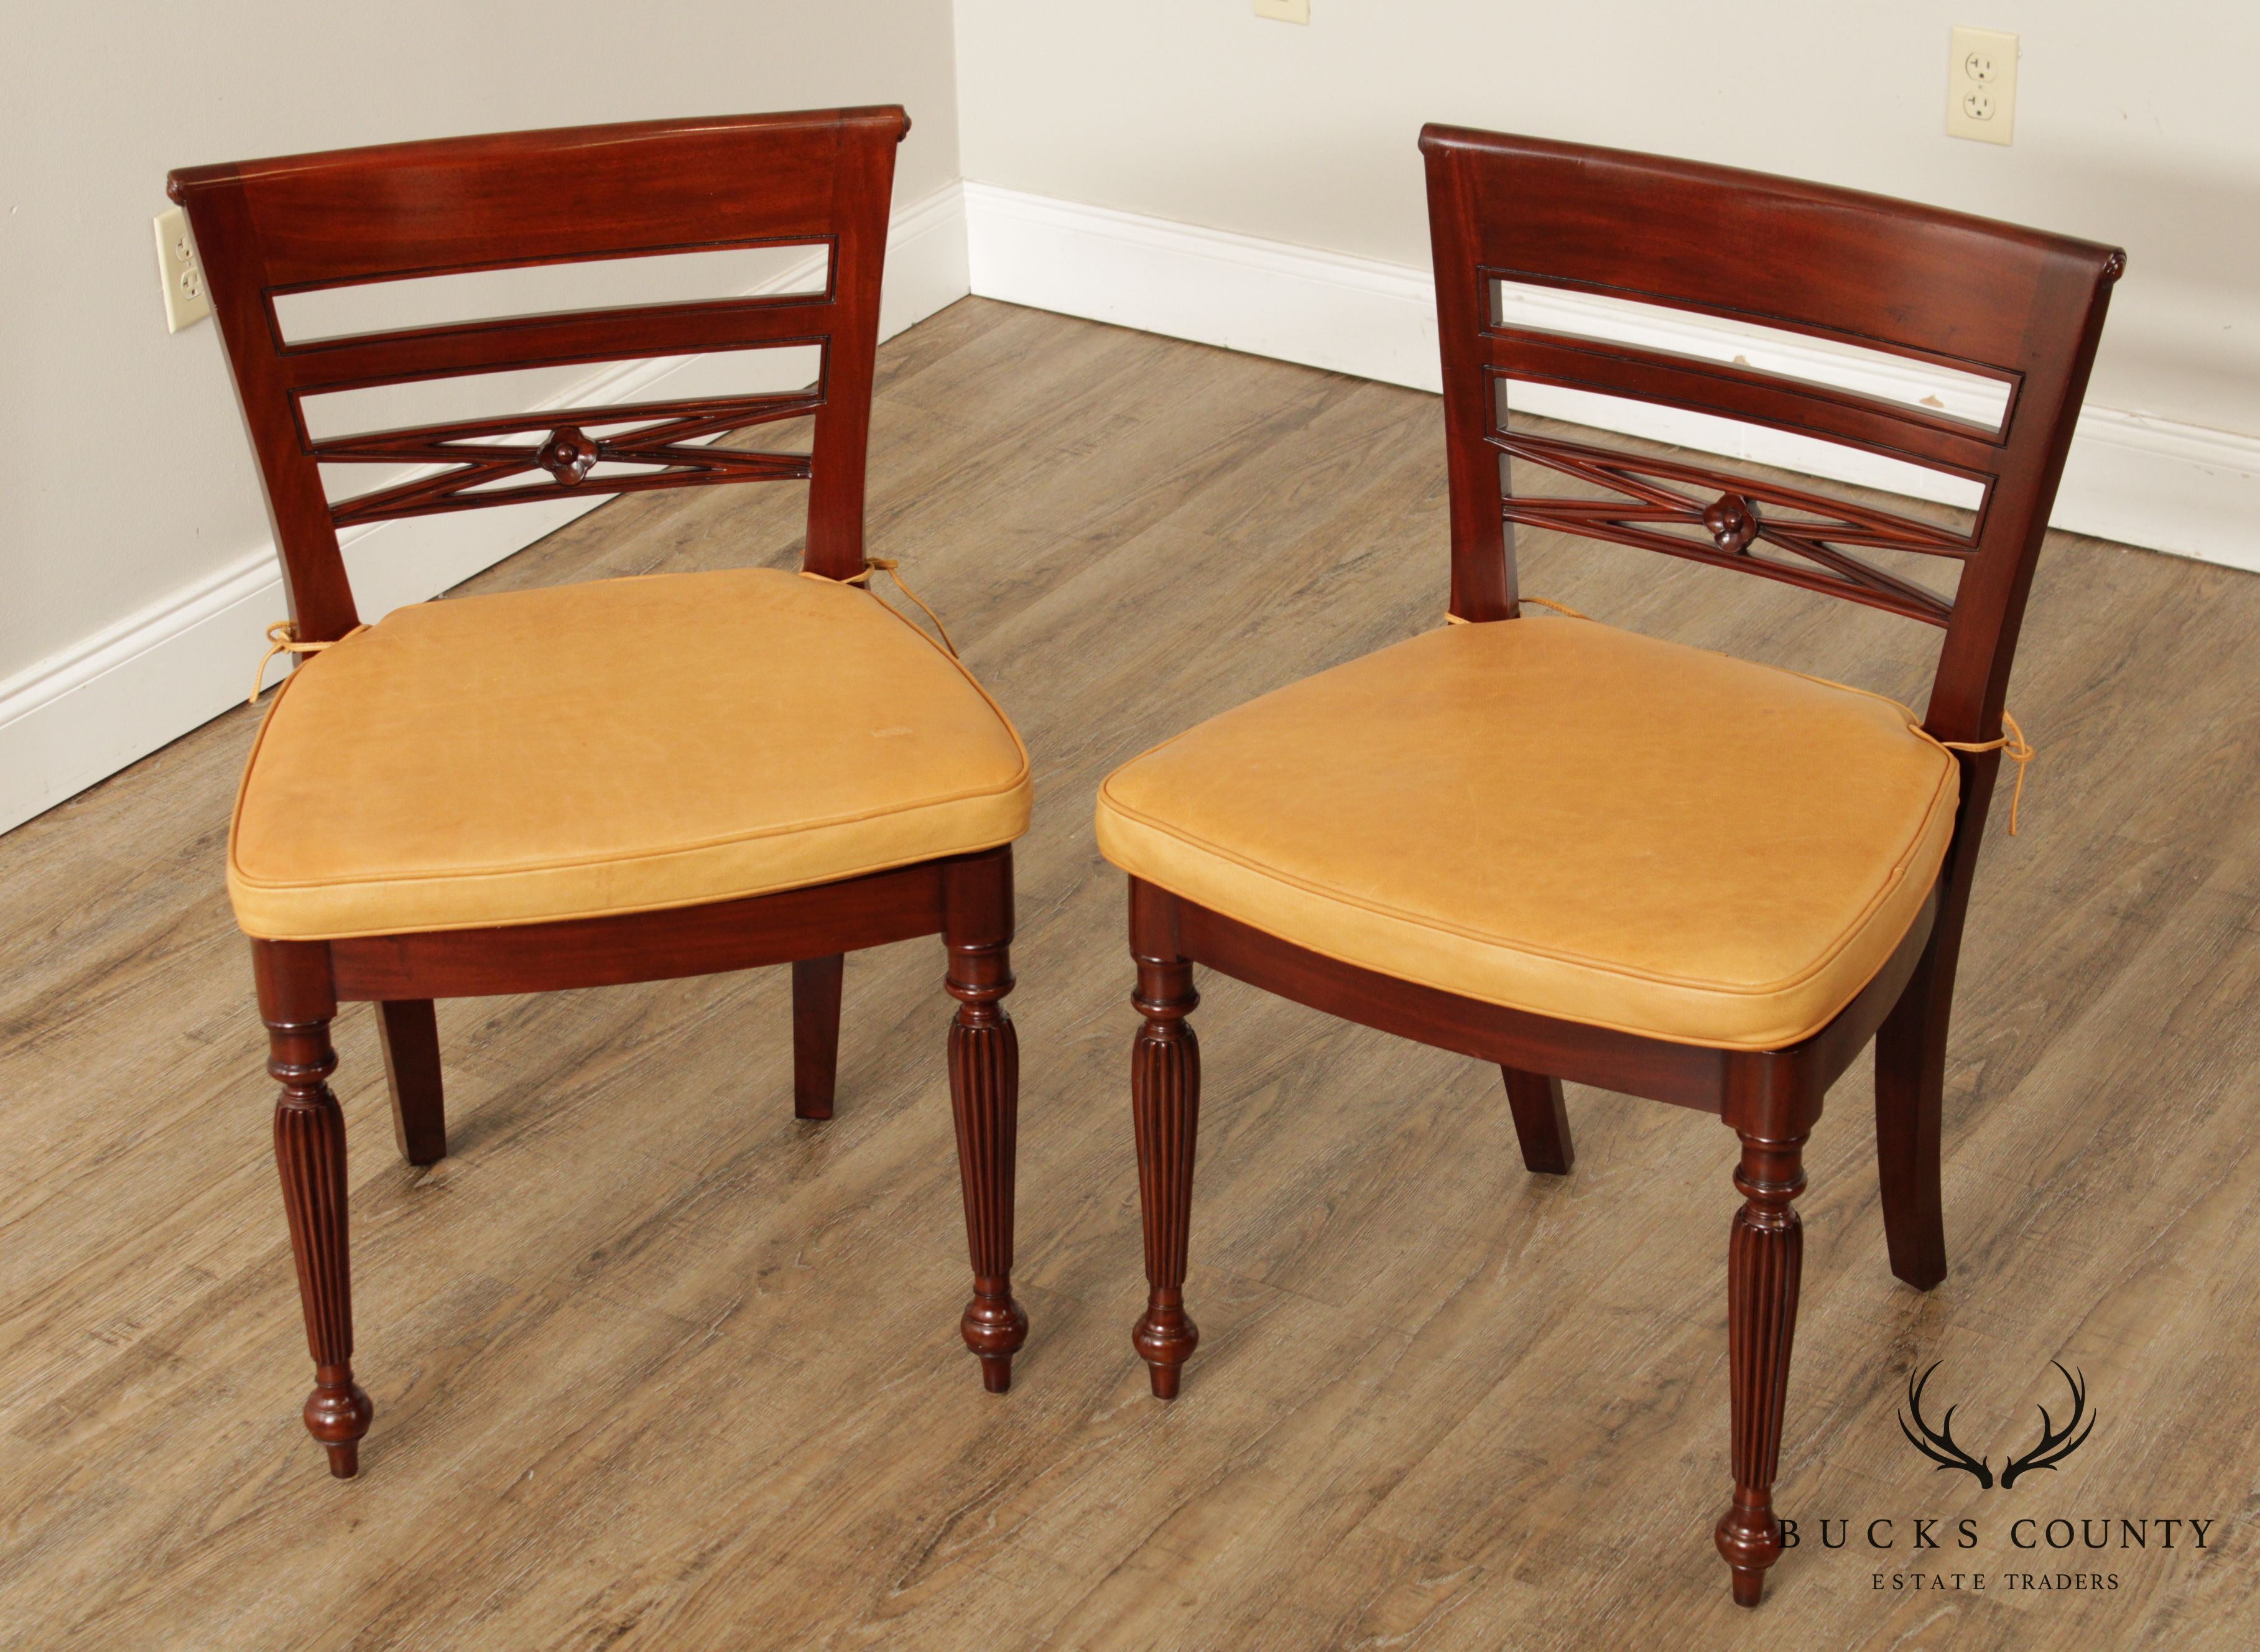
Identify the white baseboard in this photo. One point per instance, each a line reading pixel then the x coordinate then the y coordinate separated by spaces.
pixel 72 718
pixel 2139 480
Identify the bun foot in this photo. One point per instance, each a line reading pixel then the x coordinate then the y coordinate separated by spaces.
pixel 994 1326
pixel 1750 1541
pixel 1165 1338
pixel 337 1414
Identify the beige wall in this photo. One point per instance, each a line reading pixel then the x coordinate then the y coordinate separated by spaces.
pixel 2135 124
pixel 128 508
pixel 127 475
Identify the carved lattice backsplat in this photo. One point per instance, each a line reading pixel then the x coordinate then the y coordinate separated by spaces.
pixel 480 455
pixel 304 223
pixel 1857 271
pixel 1742 515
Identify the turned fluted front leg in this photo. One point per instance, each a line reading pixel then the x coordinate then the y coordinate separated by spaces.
pixel 1165 1101
pixel 310 1151
pixel 1764 1256
pixel 985 1093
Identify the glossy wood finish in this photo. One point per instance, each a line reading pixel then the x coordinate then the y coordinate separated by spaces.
pixel 2022 308
pixel 1542 1121
pixel 408 1032
pixel 1661 494
pixel 816 983
pixel 596 952
pixel 968 899
pixel 1165 1106
pixel 1911 1064
pixel 1684 1075
pixel 307 223
pixel 303 223
pixel 1765 1260
pixel 297 1004
pixel 2014 305
pixel 984 1096
pixel 1910 1108
pixel 1439 1405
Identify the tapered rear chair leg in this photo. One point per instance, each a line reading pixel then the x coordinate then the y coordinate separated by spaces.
pixel 816 1034
pixel 1910 1098
pixel 985 1093
pixel 297 1002
pixel 1540 1121
pixel 1765 1256
pixel 1165 1105
pixel 409 1035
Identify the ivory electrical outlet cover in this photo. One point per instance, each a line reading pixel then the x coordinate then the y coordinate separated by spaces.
pixel 1981 85
pixel 180 271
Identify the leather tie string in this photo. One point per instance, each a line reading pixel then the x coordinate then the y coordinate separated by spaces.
pixel 2012 745
pixel 282 638
pixel 888 566
pixel 1540 602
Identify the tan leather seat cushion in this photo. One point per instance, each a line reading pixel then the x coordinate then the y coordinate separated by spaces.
pixel 611 746
pixel 1561 817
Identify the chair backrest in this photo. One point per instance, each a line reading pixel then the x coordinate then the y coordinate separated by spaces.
pixel 301 224
pixel 2009 307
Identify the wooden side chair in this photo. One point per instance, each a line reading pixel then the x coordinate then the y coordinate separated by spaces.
pixel 621 779
pixel 1584 853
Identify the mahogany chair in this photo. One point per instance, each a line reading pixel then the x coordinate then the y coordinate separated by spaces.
pixel 1587 855
pixel 621 779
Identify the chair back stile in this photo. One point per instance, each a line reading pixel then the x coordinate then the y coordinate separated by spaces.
pixel 2015 308
pixel 268 229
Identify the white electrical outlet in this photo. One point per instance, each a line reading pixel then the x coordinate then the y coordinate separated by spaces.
pixel 181 271
pixel 1285 11
pixel 1981 85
